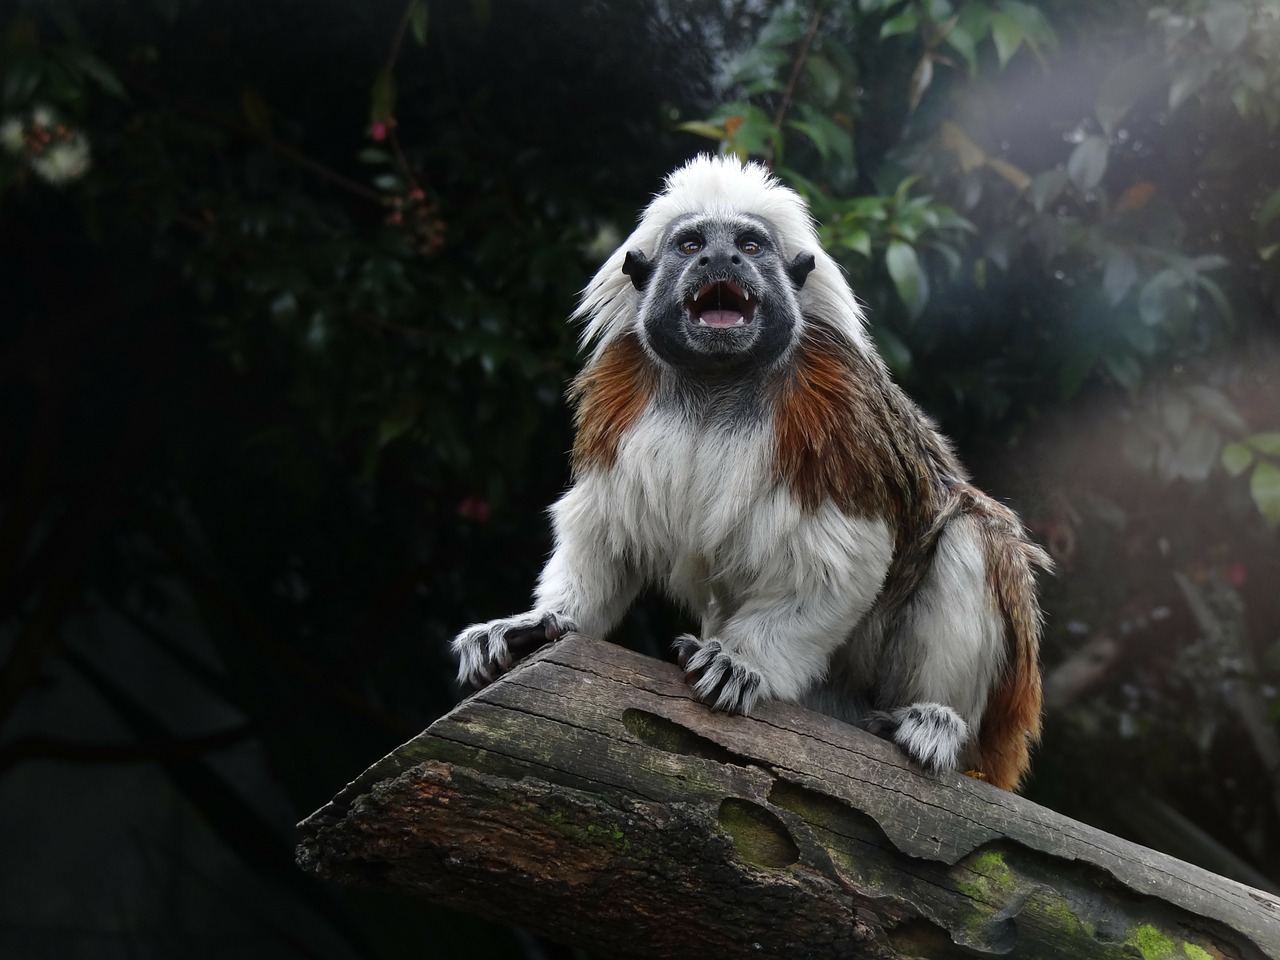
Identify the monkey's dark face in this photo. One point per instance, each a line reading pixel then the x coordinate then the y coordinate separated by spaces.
pixel 718 293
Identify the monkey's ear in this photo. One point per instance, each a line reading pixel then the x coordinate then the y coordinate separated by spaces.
pixel 799 268
pixel 639 268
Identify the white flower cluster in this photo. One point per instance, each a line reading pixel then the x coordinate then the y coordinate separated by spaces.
pixel 56 152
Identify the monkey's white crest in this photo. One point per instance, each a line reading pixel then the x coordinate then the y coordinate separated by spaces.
pixel 721 186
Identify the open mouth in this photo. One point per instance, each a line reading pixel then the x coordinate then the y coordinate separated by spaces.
pixel 721 305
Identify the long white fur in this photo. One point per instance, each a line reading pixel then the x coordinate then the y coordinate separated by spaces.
pixel 696 508
pixel 724 187
pixel 954 629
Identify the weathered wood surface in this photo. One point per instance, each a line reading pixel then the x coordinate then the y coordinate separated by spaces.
pixel 586 795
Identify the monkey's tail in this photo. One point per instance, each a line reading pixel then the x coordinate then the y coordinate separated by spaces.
pixel 1011 721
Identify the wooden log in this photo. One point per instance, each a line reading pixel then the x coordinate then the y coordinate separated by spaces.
pixel 588 796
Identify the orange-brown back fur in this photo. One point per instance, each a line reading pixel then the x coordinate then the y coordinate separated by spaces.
pixel 609 396
pixel 844 432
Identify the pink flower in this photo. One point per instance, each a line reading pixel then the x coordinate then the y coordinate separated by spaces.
pixel 378 132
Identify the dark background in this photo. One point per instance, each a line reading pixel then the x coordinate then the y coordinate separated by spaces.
pixel 282 372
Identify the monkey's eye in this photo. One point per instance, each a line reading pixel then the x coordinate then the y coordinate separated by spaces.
pixel 750 247
pixel 690 247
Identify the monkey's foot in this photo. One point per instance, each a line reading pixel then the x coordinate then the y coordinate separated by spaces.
pixel 720 678
pixel 486 651
pixel 931 734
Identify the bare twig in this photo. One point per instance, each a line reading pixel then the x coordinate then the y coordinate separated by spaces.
pixel 789 91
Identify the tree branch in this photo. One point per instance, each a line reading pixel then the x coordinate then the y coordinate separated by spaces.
pixel 588 796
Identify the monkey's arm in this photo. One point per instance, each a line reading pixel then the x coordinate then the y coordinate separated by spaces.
pixel 804 601
pixel 585 586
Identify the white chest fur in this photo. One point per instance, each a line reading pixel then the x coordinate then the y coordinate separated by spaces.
pixel 698 508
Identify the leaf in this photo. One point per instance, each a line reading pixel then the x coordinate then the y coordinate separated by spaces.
pixel 418 18
pixel 1268 443
pixel 1215 405
pixel 961 41
pixel 1264 487
pixel 837 138
pixel 956 140
pixel 826 79
pixel 1045 188
pixel 102 74
pixel 1142 338
pixel 1125 86
pixel 1236 458
pixel 902 23
pixel 920 81
pixel 704 129
pixel 751 132
pixel 1269 210
pixel 1032 22
pixel 1018 177
pixel 970 189
pixel 999 247
pixel 1188 81
pixel 1119 275
pixel 1088 162
pixel 1007 34
pixel 382 98
pixel 908 276
pixel 756 69
pixel 1227 24
pixel 1209 261
pixel 815 134
pixel 1125 369
pixel 1244 100
pixel 858 241
pixel 951 255
pixel 1156 301
pixel 785 26
pixel 1217 296
pixel 1196 453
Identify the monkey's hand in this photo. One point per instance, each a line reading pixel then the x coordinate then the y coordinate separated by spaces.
pixel 720 678
pixel 486 651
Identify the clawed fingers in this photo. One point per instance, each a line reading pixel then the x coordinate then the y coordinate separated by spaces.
pixel 721 679
pixel 486 651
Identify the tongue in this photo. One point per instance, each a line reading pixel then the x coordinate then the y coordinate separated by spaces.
pixel 720 318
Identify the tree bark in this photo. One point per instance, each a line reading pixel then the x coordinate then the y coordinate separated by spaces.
pixel 588 796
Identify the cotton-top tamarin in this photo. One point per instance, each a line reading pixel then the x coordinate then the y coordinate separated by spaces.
pixel 741 443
